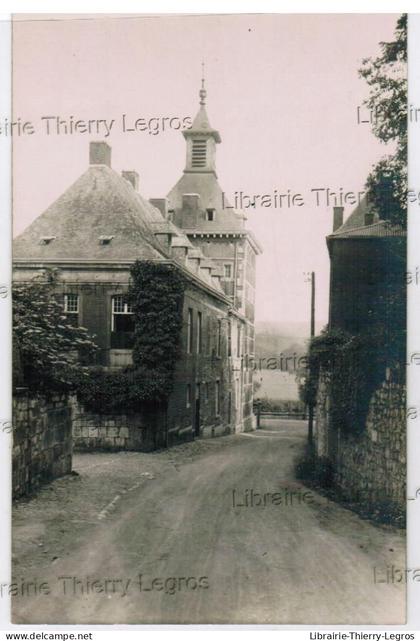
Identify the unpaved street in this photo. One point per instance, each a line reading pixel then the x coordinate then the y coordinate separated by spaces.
pixel 162 538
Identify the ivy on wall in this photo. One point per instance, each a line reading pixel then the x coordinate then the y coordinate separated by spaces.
pixel 352 367
pixel 156 295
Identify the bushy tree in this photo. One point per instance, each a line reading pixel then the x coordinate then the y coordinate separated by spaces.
pixel 386 76
pixel 46 344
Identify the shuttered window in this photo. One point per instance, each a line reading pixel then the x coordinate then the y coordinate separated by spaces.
pixel 199 153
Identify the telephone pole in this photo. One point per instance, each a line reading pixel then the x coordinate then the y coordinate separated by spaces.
pixel 311 404
pixel 312 304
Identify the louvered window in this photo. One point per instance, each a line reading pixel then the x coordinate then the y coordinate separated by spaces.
pixel 199 153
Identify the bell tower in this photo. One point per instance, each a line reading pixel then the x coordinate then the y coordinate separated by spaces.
pixel 201 140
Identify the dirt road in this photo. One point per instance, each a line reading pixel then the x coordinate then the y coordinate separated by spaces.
pixel 211 532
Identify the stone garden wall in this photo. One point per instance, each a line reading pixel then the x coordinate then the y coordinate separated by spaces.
pixel 42 440
pixel 370 467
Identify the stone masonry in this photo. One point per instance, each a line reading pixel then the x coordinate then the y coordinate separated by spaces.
pixel 371 468
pixel 42 440
pixel 368 468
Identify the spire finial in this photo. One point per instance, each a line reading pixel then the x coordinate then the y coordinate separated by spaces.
pixel 203 92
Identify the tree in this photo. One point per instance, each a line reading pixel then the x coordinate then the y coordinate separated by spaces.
pixel 386 76
pixel 46 344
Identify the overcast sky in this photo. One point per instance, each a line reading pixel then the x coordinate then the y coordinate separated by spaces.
pixel 283 92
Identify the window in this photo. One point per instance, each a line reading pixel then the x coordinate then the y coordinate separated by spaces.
pixel 238 347
pixel 122 315
pixel 219 338
pixel 210 215
pixel 71 308
pixel 190 331
pixel 197 391
pixel 105 240
pixel 46 240
pixel 71 303
pixel 188 403
pixel 199 153
pixel 217 398
pixel 228 271
pixel 206 392
pixel 208 336
pixel 199 332
pixel 229 338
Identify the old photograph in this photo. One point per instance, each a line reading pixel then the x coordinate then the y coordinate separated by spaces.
pixel 209 319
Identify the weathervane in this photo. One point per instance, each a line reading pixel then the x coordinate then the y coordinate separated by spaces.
pixel 203 92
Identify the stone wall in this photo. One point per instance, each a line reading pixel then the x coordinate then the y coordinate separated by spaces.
pixel 141 432
pixel 368 468
pixel 322 424
pixel 114 432
pixel 42 440
pixel 371 468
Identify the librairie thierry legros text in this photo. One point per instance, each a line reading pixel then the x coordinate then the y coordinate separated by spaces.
pixel 56 125
pixel 288 199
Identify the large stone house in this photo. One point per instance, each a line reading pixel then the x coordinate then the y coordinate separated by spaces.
pixel 91 236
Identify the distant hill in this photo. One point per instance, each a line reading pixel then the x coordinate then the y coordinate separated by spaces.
pixel 280 341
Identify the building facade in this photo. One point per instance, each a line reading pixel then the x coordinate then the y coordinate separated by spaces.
pixel 90 238
pixel 367 460
pixel 197 205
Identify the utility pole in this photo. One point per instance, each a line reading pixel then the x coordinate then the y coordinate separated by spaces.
pixel 312 304
pixel 311 404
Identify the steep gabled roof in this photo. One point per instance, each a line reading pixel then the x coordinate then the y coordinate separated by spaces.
pixel 355 226
pixel 201 125
pixel 99 203
pixel 356 218
pixel 211 197
pixel 102 218
pixel 378 229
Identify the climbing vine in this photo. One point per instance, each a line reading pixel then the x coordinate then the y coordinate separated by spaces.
pixel 156 295
pixel 352 367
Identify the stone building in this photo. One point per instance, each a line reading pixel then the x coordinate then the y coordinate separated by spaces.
pixel 197 205
pixel 91 236
pixel 367 296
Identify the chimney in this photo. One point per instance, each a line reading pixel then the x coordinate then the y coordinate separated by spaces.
pixel 180 247
pixel 205 269
pixel 369 217
pixel 132 177
pixel 337 217
pixel 99 154
pixel 194 259
pixel 161 204
pixel 190 204
pixel 216 275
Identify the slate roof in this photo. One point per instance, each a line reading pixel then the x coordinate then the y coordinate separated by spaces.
pixel 99 203
pixel 211 197
pixel 355 227
pixel 201 123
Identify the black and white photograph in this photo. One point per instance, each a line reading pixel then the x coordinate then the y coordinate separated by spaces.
pixel 209 309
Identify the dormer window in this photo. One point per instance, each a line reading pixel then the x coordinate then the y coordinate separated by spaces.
pixel 199 153
pixel 46 240
pixel 211 215
pixel 105 240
